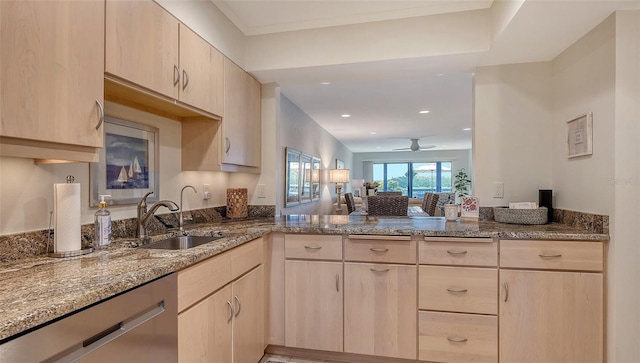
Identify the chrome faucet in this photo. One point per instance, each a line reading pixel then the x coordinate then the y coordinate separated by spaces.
pixel 181 221
pixel 144 216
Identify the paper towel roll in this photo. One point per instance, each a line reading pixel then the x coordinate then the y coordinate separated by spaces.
pixel 66 210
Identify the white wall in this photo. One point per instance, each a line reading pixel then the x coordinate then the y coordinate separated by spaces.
pixel 298 131
pixel 435 35
pixel 584 81
pixel 512 134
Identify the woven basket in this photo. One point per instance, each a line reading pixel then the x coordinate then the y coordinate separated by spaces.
pixel 237 203
pixel 520 216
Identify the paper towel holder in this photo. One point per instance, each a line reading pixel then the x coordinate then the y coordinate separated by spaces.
pixel 70 179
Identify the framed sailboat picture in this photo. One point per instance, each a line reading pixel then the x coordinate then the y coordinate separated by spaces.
pixel 128 166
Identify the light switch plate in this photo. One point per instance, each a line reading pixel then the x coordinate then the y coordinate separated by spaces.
pixel 498 190
pixel 261 191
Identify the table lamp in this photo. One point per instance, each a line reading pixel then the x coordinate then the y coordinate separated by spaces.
pixel 357 185
pixel 338 176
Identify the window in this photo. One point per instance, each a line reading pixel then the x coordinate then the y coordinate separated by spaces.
pixel 425 177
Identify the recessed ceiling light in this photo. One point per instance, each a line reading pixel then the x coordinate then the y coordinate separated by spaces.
pixel 345 115
pixel 325 83
pixel 467 129
pixel 373 132
pixel 378 147
pixel 424 111
pixel 440 74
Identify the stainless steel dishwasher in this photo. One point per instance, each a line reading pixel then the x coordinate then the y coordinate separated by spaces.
pixel 136 326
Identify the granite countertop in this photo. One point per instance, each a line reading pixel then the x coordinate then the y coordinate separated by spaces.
pixel 34 291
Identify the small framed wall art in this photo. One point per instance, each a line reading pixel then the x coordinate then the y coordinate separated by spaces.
pixel 469 207
pixel 580 136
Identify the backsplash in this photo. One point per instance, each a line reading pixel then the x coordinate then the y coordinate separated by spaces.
pixel 29 244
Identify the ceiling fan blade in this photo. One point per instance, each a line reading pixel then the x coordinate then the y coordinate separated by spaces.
pixel 404 148
pixel 427 147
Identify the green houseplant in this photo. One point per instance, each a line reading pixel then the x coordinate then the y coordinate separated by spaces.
pixel 461 183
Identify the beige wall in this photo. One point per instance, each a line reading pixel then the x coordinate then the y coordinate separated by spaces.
pixel 624 257
pixel 298 131
pixel 520 138
pixel 511 132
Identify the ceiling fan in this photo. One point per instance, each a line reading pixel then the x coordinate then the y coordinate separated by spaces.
pixel 415 146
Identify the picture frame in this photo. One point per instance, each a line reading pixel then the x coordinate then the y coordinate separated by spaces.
pixel 293 160
pixel 128 166
pixel 339 164
pixel 580 136
pixel 469 207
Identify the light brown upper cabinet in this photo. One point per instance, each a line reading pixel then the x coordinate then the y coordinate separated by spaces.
pixel 242 119
pixel 51 66
pixel 147 47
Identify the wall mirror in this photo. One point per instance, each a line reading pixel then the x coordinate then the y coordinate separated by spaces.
pixel 292 179
pixel 305 182
pixel 315 178
pixel 302 179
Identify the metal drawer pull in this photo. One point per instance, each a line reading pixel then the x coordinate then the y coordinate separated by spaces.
pixel 227 144
pixel 379 249
pixel 544 255
pixel 457 290
pixel 185 79
pixel 456 252
pixel 230 310
pixel 239 306
pixel 338 283
pixel 376 270
pixel 176 75
pixel 101 120
pixel 506 291
pixel 457 340
pixel 313 247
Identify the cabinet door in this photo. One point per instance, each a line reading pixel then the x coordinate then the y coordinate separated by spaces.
pixel 380 310
pixel 204 330
pixel 201 77
pixel 142 45
pixel 248 325
pixel 551 316
pixel 242 117
pixel 313 305
pixel 51 67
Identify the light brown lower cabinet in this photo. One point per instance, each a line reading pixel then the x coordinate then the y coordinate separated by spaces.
pixel 227 326
pixel 221 315
pixel 549 316
pixel 457 337
pixel 204 330
pixel 313 305
pixel 380 302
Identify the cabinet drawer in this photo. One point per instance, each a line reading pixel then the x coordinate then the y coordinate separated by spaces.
pixel 458 289
pixel 197 281
pixel 246 256
pixel 388 249
pixel 555 255
pixel 459 252
pixel 313 247
pixel 449 337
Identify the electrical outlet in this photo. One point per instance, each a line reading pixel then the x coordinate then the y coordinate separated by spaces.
pixel 206 194
pixel 261 191
pixel 498 190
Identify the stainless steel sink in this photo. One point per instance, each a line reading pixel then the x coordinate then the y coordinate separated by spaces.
pixel 180 243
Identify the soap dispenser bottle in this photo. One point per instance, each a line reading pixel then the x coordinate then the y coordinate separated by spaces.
pixel 102 224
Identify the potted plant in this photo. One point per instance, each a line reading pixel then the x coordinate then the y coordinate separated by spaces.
pixel 461 184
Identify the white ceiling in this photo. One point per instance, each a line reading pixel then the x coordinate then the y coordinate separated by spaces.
pixel 385 96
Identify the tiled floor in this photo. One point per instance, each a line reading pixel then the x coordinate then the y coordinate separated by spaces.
pixel 269 358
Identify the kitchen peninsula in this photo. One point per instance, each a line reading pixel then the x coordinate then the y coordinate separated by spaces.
pixel 37 290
